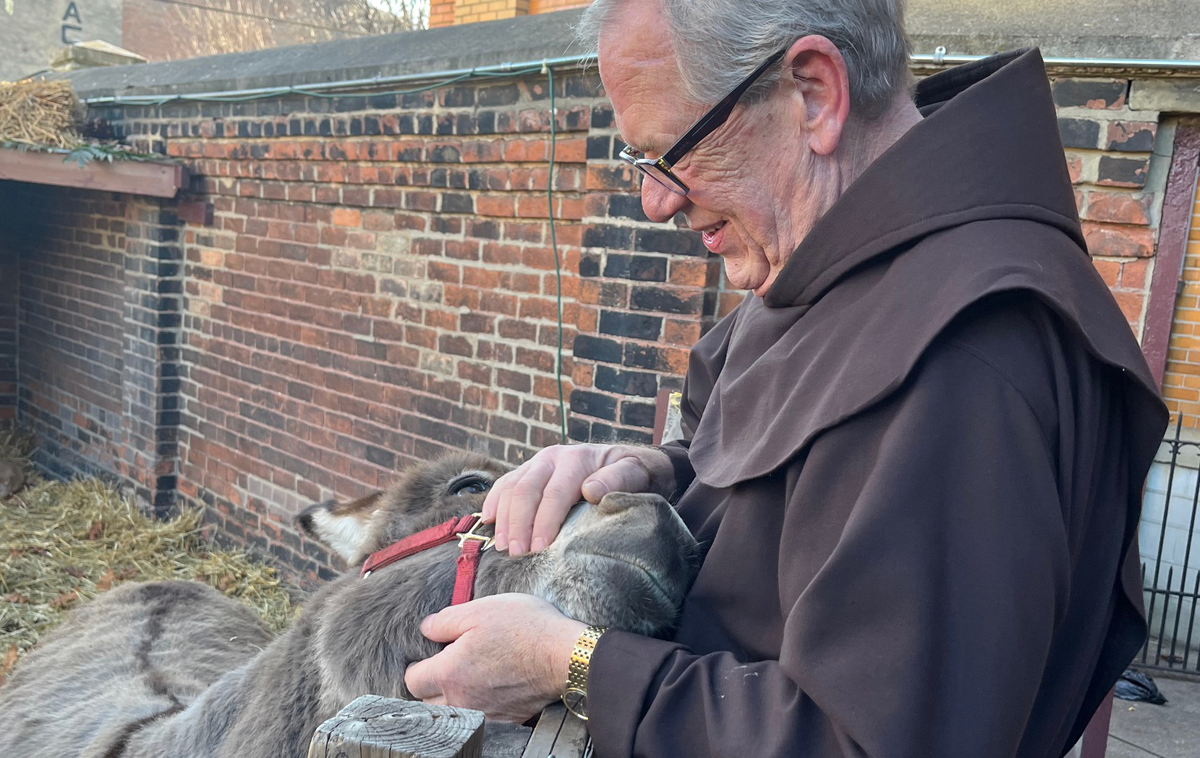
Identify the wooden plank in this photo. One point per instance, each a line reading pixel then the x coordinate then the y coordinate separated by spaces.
pixel 134 177
pixel 1172 246
pixel 379 727
pixel 504 740
pixel 558 734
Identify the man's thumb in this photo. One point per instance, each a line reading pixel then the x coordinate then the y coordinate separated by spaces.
pixel 623 475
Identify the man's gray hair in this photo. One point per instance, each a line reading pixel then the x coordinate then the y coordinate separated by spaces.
pixel 719 42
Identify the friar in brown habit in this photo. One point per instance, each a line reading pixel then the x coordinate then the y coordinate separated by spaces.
pixel 915 451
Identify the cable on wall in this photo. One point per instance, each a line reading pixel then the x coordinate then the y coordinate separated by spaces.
pixel 562 406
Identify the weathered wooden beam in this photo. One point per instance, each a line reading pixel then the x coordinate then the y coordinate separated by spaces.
pixel 379 727
pixel 156 179
pixel 558 734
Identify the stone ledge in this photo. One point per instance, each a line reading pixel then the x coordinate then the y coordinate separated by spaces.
pixel 1166 95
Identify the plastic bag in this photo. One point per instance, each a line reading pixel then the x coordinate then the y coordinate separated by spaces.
pixel 1134 685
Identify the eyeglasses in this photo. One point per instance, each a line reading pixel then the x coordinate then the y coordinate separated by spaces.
pixel 659 169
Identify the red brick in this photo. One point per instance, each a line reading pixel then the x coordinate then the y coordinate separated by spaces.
pixel 1118 208
pixel 1133 274
pixel 494 205
pixel 1112 241
pixel 1131 305
pixel 1110 271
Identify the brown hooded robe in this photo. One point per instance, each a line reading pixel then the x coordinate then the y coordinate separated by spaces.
pixel 917 466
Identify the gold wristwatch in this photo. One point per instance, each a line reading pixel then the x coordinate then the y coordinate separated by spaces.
pixel 575 693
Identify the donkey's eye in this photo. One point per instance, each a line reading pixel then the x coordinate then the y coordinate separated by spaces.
pixel 470 484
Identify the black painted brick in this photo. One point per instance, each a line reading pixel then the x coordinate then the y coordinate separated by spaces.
pixel 593 404
pixel 1080 92
pixel 603 235
pixel 626 382
pixel 597 349
pixel 669 241
pixel 1079 132
pixel 1128 172
pixel 638 414
pixel 664 300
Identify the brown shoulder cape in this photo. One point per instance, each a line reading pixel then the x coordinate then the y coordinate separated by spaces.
pixel 861 282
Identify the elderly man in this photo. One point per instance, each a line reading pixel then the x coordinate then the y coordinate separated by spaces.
pixel 915 451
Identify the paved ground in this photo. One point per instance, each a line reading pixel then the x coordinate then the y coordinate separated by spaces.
pixel 1141 730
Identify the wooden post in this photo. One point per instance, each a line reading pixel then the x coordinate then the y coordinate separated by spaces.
pixel 1095 737
pixel 379 727
pixel 558 734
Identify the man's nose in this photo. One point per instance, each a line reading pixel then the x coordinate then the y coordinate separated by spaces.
pixel 659 203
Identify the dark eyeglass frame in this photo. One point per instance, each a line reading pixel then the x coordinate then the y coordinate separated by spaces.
pixel 706 125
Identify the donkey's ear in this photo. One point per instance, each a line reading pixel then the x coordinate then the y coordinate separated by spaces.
pixel 342 527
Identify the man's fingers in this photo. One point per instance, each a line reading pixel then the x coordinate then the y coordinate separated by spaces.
pixel 559 495
pixel 517 512
pixel 419 679
pixel 623 475
pixel 492 502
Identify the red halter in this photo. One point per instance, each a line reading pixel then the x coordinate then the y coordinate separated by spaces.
pixel 461 528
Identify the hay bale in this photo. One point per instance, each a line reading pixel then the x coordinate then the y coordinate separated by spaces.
pixel 61 543
pixel 39 113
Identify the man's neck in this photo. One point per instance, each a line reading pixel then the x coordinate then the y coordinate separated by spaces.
pixel 863 142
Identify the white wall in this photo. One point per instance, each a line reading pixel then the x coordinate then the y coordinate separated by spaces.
pixel 32 31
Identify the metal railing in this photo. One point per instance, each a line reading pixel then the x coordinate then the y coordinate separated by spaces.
pixel 1172 601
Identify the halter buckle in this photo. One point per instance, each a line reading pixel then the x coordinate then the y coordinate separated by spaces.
pixel 471 535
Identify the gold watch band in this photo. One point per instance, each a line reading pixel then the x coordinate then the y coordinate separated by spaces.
pixel 574 695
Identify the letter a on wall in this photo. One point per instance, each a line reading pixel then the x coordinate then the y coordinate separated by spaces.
pixel 72 14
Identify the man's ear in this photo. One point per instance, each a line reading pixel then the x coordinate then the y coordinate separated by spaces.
pixel 819 74
pixel 342 527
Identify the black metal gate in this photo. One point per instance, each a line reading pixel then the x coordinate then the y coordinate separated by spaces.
pixel 1171 579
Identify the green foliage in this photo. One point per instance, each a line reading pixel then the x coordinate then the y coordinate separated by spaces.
pixel 86 152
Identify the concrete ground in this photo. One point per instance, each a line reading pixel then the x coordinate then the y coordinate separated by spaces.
pixel 1141 730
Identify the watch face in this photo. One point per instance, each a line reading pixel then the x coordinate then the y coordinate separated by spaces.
pixel 576 702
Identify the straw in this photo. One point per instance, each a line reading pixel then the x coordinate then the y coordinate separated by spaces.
pixel 39 113
pixel 62 543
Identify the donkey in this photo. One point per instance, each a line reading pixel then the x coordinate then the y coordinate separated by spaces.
pixel 175 668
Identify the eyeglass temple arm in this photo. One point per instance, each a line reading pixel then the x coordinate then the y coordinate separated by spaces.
pixel 719 113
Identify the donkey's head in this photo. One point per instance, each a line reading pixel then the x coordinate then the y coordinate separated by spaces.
pixel 624 563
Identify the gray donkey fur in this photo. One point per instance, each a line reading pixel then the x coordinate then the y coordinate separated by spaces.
pixel 175 669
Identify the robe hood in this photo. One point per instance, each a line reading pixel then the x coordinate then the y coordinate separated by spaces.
pixel 972 201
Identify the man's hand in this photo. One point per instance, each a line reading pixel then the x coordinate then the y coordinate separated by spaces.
pixel 508 656
pixel 530 503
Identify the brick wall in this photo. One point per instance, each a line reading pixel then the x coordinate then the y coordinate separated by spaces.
pixel 448 12
pixel 71 252
pixel 546 6
pixel 1108 149
pixel 85 283
pixel 1181 380
pixel 378 285
pixel 441 13
pixel 470 11
pixel 167 31
pixel 375 283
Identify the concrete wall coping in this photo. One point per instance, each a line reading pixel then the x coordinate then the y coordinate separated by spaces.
pixel 1142 29
pixel 515 40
